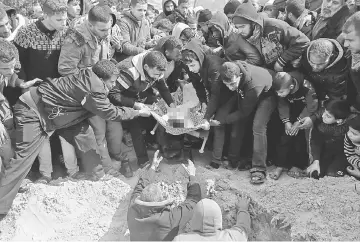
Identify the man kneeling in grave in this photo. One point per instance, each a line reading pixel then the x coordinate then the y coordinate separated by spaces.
pixel 150 216
pixel 60 104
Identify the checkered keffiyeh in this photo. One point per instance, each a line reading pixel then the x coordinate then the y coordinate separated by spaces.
pixel 159 109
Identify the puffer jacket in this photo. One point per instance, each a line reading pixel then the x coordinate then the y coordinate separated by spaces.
pixel 279 42
pixel 332 81
pixel 136 34
pixel 235 47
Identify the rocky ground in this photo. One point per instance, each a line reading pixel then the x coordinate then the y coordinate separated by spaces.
pixel 288 209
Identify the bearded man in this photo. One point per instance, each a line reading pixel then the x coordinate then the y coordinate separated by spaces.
pixel 329 23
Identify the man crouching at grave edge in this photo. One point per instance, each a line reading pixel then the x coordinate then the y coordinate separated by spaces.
pixel 60 104
pixel 134 88
pixel 150 216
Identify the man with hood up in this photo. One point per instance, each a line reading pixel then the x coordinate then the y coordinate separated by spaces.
pixel 150 216
pixel 169 7
pixel 220 34
pixel 203 69
pixel 326 67
pixel 206 223
pixel 279 43
pixel 182 13
pixel 135 30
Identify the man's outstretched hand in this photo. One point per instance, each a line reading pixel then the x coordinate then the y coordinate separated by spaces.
pixel 31 83
pixel 190 169
pixel 156 161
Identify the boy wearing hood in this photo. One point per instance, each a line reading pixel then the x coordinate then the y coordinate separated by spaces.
pixel 135 29
pixel 134 88
pixel 203 70
pixel 250 92
pixel 206 223
pixel 279 43
pixel 150 216
pixel 169 7
pixel 326 67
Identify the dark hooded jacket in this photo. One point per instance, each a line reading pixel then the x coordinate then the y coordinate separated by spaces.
pixel 279 42
pixel 255 84
pixel 333 27
pixel 332 81
pixel 164 14
pixel 300 104
pixel 157 221
pixel 206 224
pixel 134 84
pixel 234 45
pixel 209 72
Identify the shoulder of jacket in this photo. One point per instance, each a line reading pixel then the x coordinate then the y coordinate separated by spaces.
pixel 275 24
pixel 72 35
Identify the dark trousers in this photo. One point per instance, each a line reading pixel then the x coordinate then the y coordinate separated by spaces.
pixel 262 116
pixel 332 157
pixel 29 138
pixel 292 151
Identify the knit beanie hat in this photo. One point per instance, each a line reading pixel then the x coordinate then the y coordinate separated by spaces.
pixel 54 6
pixel 296 7
pixel 204 16
pixel 231 7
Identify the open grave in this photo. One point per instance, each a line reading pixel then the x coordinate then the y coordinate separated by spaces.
pixel 288 209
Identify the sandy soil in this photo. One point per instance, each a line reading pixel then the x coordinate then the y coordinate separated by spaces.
pixel 288 209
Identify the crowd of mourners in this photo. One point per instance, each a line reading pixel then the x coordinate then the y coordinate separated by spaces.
pixel 77 78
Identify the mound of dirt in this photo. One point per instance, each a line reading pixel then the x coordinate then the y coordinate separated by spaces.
pixel 288 209
pixel 73 211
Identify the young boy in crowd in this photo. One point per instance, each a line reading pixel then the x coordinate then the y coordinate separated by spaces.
pixel 296 99
pixel 330 124
pixel 352 147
